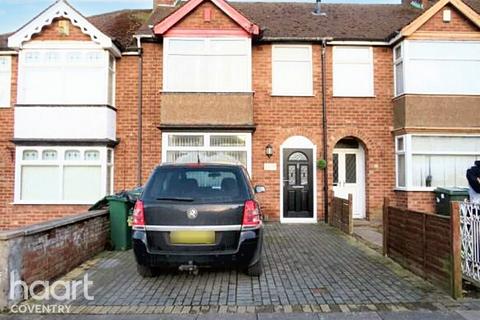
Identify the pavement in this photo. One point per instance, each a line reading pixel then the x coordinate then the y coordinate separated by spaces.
pixel 311 272
pixel 370 232
pixel 410 315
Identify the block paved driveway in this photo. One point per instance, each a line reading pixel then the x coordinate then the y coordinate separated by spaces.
pixel 308 268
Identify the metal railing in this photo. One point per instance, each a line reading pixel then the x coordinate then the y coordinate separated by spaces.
pixel 470 234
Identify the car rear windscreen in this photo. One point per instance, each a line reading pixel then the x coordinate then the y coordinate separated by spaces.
pixel 197 184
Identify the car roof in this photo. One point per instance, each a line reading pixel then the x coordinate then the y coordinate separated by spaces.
pixel 201 165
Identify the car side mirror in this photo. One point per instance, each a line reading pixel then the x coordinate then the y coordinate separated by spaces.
pixel 260 189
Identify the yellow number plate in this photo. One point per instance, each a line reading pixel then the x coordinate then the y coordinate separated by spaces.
pixel 192 237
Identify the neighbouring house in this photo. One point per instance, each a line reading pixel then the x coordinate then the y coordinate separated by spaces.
pixel 388 95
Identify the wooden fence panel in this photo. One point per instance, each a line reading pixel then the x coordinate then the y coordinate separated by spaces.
pixel 424 243
pixel 340 216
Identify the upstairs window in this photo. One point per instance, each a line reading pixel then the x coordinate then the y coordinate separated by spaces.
pixel 66 77
pixel 353 72
pixel 5 80
pixel 207 65
pixel 437 67
pixel 292 70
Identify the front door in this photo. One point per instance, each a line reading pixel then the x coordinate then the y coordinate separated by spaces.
pixel 349 178
pixel 297 183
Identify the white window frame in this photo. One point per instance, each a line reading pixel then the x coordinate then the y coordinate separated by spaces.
pixel 8 74
pixel 308 91
pixel 206 146
pixel 166 65
pixel 61 163
pixel 397 61
pixel 406 58
pixel 409 158
pixel 112 69
pixel 61 46
pixel 371 93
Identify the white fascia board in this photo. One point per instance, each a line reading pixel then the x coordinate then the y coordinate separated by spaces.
pixel 358 43
pixel 61 9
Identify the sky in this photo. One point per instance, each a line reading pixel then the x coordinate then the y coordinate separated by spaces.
pixel 15 13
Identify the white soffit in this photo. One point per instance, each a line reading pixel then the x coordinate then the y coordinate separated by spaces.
pixel 61 9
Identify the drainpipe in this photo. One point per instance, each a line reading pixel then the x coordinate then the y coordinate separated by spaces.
pixel 324 127
pixel 139 112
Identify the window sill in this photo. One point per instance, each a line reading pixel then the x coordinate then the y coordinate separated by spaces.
pixel 206 92
pixel 354 97
pixel 56 203
pixel 291 95
pixel 415 189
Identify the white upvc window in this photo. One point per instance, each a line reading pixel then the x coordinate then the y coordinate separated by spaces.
pixel 437 67
pixel 353 74
pixel 398 70
pixel 292 70
pixel 63 175
pixel 65 74
pixel 5 81
pixel 424 162
pixel 207 65
pixel 224 147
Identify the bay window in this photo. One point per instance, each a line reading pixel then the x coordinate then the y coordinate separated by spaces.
pixel 66 76
pixel 63 175
pixel 437 67
pixel 5 80
pixel 187 147
pixel 428 161
pixel 207 65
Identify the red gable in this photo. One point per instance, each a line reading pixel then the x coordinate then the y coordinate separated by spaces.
pixel 163 26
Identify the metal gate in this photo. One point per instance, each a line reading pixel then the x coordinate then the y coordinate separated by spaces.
pixel 470 232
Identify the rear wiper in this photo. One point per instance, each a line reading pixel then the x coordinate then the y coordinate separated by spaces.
pixel 176 199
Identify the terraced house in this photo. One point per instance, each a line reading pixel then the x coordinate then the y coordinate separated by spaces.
pixel 388 95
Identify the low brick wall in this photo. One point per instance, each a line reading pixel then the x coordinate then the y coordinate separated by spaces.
pixel 426 244
pixel 341 215
pixel 48 250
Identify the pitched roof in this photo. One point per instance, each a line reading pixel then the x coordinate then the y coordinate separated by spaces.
pixel 223 5
pixel 120 25
pixel 293 20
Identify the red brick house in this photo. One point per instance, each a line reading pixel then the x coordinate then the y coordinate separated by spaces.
pixel 386 94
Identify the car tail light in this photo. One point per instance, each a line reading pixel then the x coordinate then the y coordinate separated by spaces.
pixel 138 214
pixel 251 215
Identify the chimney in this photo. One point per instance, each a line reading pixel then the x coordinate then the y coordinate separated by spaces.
pixel 167 3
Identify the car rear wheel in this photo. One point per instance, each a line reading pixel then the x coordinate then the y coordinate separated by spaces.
pixel 145 271
pixel 255 270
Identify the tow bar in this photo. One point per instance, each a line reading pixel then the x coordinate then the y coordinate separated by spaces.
pixel 190 268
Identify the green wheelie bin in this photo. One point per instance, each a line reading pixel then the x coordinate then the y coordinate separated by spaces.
pixel 120 232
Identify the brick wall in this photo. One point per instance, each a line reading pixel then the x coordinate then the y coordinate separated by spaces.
pixel 52 32
pixel 48 250
pixel 369 120
pixel 458 23
pixel 415 200
pixel 196 19
pixel 278 118
pixel 56 251
pixel 127 122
